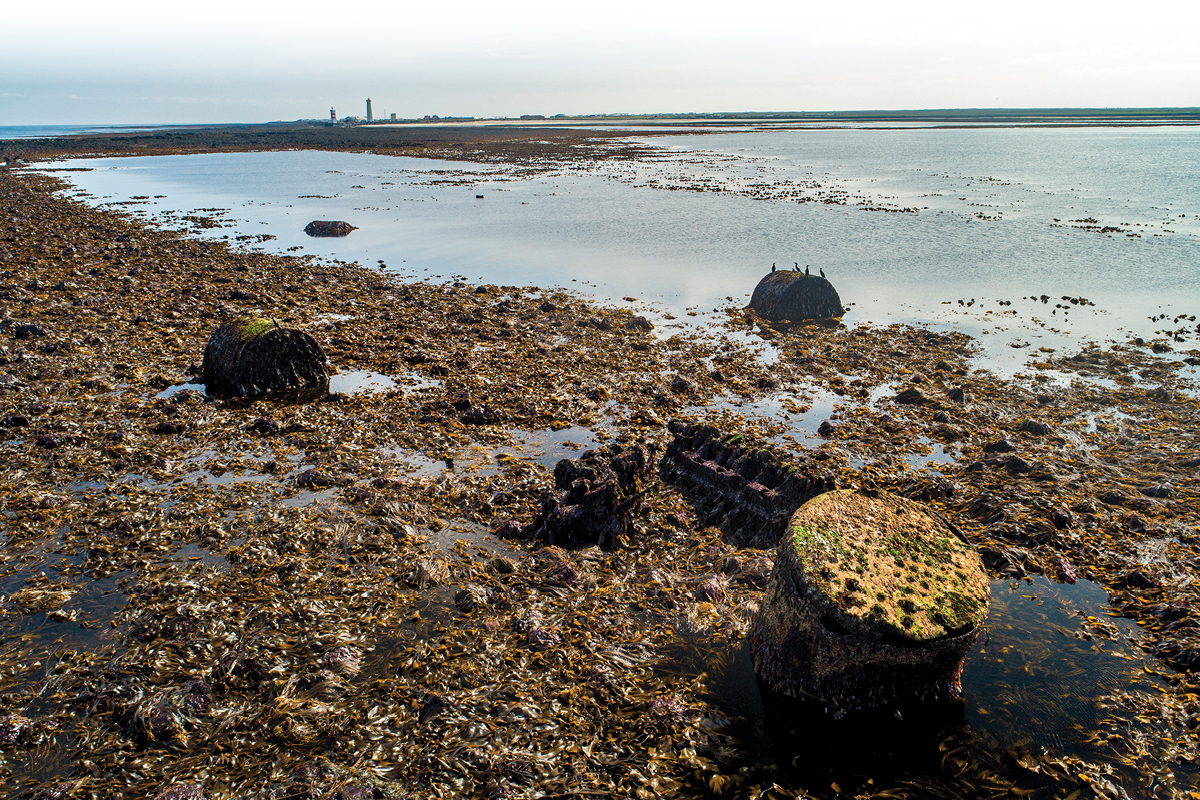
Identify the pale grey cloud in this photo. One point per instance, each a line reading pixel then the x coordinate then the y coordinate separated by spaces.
pixel 134 61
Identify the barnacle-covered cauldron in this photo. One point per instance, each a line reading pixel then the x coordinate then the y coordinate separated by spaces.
pixel 252 355
pixel 795 296
pixel 872 601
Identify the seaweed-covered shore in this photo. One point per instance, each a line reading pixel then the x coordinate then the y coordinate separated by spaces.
pixel 307 596
pixel 476 143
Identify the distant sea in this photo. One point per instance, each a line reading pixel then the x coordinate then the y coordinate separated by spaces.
pixel 1024 238
pixel 47 131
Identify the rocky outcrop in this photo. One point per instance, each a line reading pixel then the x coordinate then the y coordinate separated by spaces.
pixel 321 227
pixel 750 491
pixel 795 296
pixel 873 600
pixel 253 355
pixel 593 499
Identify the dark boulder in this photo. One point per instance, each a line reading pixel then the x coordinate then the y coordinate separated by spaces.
pixel 914 396
pixel 594 498
pixel 28 331
pixel 321 227
pixel 795 296
pixel 314 478
pixel 1035 427
pixel 252 355
pixel 1015 465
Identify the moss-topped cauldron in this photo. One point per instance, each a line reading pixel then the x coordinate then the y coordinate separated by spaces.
pixel 252 355
pixel 873 600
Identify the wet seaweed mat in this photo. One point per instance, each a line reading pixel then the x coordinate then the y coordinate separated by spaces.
pixel 261 597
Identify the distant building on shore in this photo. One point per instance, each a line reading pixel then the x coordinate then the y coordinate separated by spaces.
pixel 393 115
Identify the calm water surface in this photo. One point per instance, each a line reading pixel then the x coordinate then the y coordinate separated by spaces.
pixel 992 215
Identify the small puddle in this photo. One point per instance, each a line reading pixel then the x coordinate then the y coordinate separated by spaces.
pixel 416 381
pixel 936 456
pixel 360 381
pixel 351 382
pixel 171 391
pixel 414 464
pixel 545 447
pixel 83 620
pixel 800 412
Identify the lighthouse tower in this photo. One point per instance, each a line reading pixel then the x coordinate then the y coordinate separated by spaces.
pixel 332 116
pixel 370 116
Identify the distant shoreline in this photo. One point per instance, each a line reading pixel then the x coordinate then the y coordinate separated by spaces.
pixel 539 138
pixel 482 143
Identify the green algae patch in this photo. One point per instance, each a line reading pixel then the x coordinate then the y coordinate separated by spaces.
pixel 250 328
pixel 887 558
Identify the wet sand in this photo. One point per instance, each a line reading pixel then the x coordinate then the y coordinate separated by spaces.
pixel 305 597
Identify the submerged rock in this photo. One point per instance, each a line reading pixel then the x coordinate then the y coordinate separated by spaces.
pixel 872 601
pixel 253 355
pixel 321 227
pixel 795 296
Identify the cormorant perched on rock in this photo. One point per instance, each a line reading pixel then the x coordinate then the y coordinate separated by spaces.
pixel 795 266
pixel 821 271
pixel 806 272
pixel 772 266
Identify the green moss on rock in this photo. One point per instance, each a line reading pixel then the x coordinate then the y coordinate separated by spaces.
pixel 885 541
pixel 854 616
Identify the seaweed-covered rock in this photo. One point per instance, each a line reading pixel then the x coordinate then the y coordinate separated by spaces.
pixel 795 296
pixel 594 498
pixel 252 355
pixel 321 227
pixel 873 600
pixel 751 491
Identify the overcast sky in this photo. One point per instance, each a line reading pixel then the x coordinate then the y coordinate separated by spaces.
pixel 224 61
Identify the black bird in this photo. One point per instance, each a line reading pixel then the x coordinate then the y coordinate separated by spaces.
pixel 796 266
pixel 772 266
pixel 822 272
pixel 806 272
